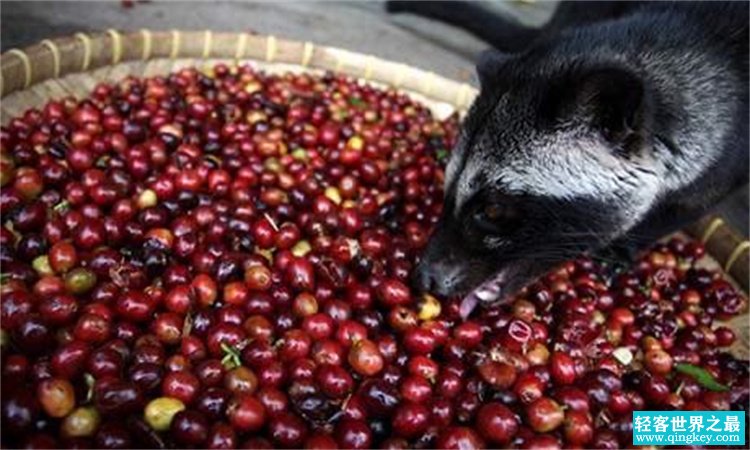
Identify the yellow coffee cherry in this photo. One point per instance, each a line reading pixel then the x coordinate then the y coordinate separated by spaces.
pixel 82 422
pixel 160 411
pixel 429 308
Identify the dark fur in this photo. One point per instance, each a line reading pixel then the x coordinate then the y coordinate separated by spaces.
pixel 655 86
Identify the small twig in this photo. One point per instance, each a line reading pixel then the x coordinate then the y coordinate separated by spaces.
pixel 90 381
pixel 271 221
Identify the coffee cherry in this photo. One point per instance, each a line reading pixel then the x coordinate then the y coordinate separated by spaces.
pixel 496 423
pixel 459 438
pixel 562 368
pixel 82 422
pixel 56 396
pixel 181 385
pixel 295 344
pixel 221 435
pixel 354 434
pixel 63 257
pixel 246 413
pixel 496 374
pixel 393 293
pixel 115 397
pixel 579 428
pixel 135 306
pixel 468 334
pixel 416 389
pixel 334 381
pixel 287 430
pixel 241 380
pixel 528 387
pixel 544 415
pixel 59 309
pixel 28 183
pixel 658 361
pixel 79 281
pixel 365 358
pixel 300 274
pixel 258 278
pixel 411 420
pixel 160 412
pixel 320 441
pixel 189 428
pixel 205 289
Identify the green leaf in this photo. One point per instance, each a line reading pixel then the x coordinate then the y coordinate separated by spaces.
pixel 441 154
pixel 102 162
pixel 357 102
pixel 645 288
pixel 231 357
pixel 228 350
pixel 62 206
pixel 340 116
pixel 702 376
pixel 228 362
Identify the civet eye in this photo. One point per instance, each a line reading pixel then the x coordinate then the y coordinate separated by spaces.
pixel 494 211
pixel 496 217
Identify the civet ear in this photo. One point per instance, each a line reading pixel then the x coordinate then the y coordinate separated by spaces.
pixel 611 100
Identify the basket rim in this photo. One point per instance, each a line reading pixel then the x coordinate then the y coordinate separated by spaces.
pixel 54 58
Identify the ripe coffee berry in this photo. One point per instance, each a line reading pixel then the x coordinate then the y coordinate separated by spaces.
pixel 365 358
pixel 562 368
pixel 497 423
pixel 246 413
pixel 544 415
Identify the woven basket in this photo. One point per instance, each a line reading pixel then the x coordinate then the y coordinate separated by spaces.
pixel 74 65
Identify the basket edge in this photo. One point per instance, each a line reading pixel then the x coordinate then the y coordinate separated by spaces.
pixel 81 52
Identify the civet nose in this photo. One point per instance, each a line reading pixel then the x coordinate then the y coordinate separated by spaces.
pixel 435 278
pixel 421 278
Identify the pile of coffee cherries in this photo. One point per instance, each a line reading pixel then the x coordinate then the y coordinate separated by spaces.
pixel 221 259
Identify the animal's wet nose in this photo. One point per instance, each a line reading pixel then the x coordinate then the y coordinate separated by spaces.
pixel 422 278
pixel 435 279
